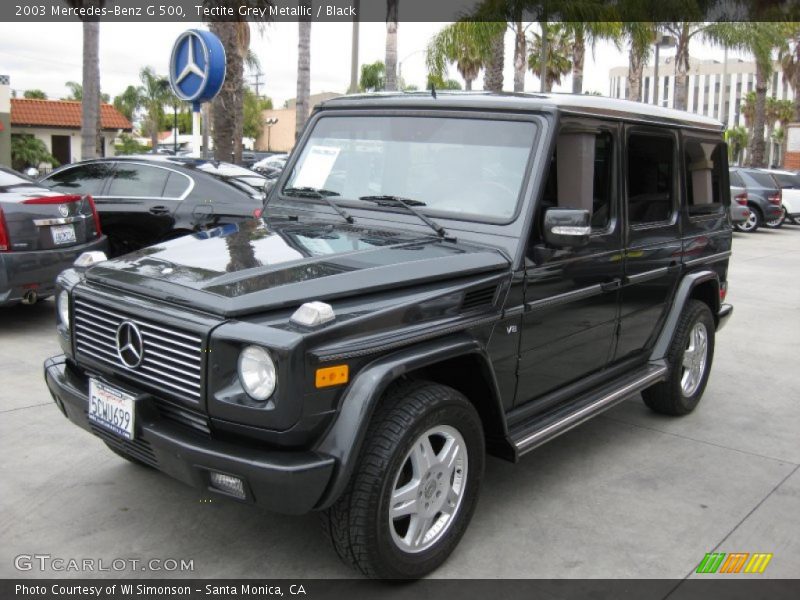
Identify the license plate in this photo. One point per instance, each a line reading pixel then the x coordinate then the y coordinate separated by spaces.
pixel 63 234
pixel 111 408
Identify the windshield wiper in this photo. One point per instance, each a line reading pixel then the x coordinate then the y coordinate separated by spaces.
pixel 409 205
pixel 322 194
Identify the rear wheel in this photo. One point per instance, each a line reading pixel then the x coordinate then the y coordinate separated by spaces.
pixel 776 223
pixel 753 221
pixel 689 359
pixel 415 487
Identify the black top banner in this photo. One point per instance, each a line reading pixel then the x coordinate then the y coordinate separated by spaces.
pixel 407 10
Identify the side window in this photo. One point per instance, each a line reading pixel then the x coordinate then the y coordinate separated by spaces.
pixel 651 178
pixel 704 161
pixel 138 181
pixel 736 179
pixel 582 176
pixel 176 186
pixel 85 179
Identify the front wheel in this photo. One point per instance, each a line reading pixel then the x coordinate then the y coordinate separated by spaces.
pixel 689 358
pixel 415 487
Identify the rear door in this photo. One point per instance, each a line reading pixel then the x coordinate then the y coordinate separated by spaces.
pixel 140 201
pixel 653 249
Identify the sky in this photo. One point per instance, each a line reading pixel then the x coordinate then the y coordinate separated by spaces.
pixel 47 55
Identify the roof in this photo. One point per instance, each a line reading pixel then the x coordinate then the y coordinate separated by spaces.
pixel 62 113
pixel 600 106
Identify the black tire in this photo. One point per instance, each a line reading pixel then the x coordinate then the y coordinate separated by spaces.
pixel 757 217
pixel 777 223
pixel 127 457
pixel 359 524
pixel 669 397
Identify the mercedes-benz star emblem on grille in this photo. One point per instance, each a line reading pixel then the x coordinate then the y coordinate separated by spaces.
pixel 130 347
pixel 63 209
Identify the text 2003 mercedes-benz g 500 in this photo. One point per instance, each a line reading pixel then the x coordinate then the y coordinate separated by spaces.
pixel 433 278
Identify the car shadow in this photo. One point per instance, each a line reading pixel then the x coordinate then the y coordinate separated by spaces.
pixel 20 317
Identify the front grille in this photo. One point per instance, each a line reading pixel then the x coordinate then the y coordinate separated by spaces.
pixel 183 416
pixel 172 359
pixel 136 448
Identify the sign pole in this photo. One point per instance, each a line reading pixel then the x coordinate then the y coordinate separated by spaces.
pixel 196 136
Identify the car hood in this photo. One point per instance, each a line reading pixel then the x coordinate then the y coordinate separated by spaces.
pixel 256 265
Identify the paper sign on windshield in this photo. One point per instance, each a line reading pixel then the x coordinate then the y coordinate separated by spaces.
pixel 317 166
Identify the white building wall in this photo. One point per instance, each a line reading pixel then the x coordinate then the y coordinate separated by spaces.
pixel 46 135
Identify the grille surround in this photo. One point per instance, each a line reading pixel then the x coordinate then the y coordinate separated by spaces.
pixel 173 361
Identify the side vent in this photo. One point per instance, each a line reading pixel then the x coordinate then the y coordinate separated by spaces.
pixel 480 298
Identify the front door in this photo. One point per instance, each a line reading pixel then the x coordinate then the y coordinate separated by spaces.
pixel 571 302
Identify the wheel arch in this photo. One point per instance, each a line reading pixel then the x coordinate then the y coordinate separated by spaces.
pixel 440 361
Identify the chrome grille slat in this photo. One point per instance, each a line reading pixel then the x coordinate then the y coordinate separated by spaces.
pixel 172 361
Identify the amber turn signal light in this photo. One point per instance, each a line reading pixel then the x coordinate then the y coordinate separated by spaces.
pixel 330 376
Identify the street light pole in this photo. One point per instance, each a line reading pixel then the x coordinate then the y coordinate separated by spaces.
pixel 269 123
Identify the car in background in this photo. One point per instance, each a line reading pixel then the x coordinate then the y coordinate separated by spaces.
pixel 42 232
pixel 739 210
pixel 789 182
pixel 272 166
pixel 763 198
pixel 143 200
pixel 250 157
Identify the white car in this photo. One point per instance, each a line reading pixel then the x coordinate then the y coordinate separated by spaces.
pixel 790 192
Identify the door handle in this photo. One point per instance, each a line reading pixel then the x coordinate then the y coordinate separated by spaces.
pixel 610 286
pixel 159 210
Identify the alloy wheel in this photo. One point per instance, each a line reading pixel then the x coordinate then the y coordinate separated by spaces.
pixel 694 359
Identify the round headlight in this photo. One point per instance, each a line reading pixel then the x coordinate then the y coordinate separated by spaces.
pixel 62 305
pixel 257 372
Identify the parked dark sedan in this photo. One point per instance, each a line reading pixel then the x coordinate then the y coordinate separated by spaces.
pixel 763 198
pixel 143 200
pixel 41 233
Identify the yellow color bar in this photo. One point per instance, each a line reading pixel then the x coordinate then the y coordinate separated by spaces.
pixel 758 563
pixel 330 376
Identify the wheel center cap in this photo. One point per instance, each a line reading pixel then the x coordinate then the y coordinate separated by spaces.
pixel 430 489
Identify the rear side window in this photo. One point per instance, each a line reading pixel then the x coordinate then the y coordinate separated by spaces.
pixel 763 180
pixel 138 181
pixel 651 178
pixel 176 186
pixel 736 179
pixel 85 179
pixel 704 164
pixel 785 180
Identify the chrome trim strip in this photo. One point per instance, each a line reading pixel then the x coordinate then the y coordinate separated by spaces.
pixel 708 259
pixel 58 221
pixel 567 297
pixel 647 275
pixel 576 418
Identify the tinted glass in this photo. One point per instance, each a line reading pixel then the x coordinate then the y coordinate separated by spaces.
pixel 138 181
pixel 84 179
pixel 651 178
pixel 458 166
pixel 603 172
pixel 763 180
pixel 786 180
pixel 736 179
pixel 704 163
pixel 177 185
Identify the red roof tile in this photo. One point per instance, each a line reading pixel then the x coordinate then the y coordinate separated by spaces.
pixel 62 113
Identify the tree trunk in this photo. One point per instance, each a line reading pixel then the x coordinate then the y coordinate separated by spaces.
pixel 303 76
pixel 578 57
pixel 635 70
pixel 682 69
pixel 391 46
pixel 229 99
pixel 795 83
pixel 468 84
pixel 90 105
pixel 520 56
pixel 493 75
pixel 755 151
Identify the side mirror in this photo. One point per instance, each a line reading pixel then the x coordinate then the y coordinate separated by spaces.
pixel 567 227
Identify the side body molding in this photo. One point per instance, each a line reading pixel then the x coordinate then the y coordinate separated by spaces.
pixel 682 295
pixel 344 439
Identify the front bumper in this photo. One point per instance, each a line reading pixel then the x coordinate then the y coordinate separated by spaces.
pixel 37 270
pixel 723 315
pixel 290 482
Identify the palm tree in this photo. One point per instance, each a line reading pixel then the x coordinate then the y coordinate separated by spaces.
pixel 34 95
pixel 683 32
pixel 790 63
pixel 75 91
pixel 640 35
pixel 760 39
pixel 736 138
pixel 155 92
pixel 129 101
pixel 747 108
pixel 303 73
pixel 559 42
pixel 583 33
pixel 391 45
pixel 372 77
pixel 465 43
pixel 29 151
pixel 226 107
pixel 493 74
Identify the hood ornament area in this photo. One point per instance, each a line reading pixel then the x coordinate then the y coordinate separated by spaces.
pixel 130 346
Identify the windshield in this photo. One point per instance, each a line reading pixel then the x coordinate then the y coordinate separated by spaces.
pixel 466 167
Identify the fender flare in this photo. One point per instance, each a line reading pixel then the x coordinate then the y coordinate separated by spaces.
pixel 345 437
pixel 682 295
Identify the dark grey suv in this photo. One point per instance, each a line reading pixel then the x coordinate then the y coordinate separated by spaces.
pixel 763 198
pixel 435 278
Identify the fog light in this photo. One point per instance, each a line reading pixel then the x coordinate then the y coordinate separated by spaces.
pixel 228 484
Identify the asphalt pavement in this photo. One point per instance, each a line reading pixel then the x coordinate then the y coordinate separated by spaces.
pixel 628 494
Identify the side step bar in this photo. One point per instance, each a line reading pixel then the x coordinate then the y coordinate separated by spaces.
pixel 543 428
